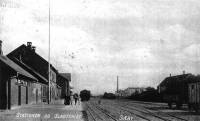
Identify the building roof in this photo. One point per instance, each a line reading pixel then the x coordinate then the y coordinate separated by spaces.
pixel 61 77
pixel 136 88
pixel 61 81
pixel 32 59
pixel 174 79
pixel 193 78
pixel 66 76
pixel 15 67
pixel 31 71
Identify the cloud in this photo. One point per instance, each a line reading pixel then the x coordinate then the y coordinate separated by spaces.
pixel 140 41
pixel 95 9
pixel 192 52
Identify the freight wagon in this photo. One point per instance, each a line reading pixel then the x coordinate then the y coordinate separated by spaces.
pixel 194 94
pixel 174 90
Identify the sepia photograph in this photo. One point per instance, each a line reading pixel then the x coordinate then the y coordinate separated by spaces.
pixel 99 60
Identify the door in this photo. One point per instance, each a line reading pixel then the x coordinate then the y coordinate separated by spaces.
pixel 36 96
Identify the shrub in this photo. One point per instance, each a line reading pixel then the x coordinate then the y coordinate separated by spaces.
pixel 109 95
pixel 150 94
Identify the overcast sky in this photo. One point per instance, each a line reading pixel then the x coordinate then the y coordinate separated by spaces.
pixel 141 41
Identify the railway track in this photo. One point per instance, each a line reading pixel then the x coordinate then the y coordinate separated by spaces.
pixel 150 114
pixel 146 114
pixel 134 116
pixel 139 117
pixel 140 111
pixel 97 114
pixel 160 111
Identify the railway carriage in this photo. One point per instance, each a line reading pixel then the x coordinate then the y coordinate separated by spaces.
pixel 194 94
pixel 174 90
pixel 181 89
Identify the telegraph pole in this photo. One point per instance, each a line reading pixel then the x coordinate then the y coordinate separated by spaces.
pixel 118 87
pixel 49 57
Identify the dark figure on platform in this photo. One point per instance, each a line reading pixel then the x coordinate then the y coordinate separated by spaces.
pixel 67 100
pixel 76 98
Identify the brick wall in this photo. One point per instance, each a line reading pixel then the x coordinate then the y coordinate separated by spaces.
pixel 44 93
pixel 3 88
pixel 14 93
pixel 34 92
pixel 4 76
pixel 31 93
pixel 54 91
pixel 23 95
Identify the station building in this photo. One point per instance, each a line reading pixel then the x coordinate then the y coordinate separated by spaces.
pixel 129 91
pixel 63 80
pixel 27 58
pixel 17 86
pixel 24 78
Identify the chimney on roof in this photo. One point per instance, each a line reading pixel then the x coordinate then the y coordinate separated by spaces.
pixel 29 44
pixel 183 71
pixel 33 48
pixel 1 51
pixel 170 75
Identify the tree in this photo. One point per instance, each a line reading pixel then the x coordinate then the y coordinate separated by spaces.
pixel 150 89
pixel 85 95
pixel 151 94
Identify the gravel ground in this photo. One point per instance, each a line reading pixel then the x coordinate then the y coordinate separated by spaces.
pixel 123 110
pixel 44 112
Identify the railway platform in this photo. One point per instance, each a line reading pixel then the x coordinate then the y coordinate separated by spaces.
pixel 56 111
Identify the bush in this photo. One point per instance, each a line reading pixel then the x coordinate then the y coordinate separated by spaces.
pixel 85 95
pixel 109 95
pixel 150 94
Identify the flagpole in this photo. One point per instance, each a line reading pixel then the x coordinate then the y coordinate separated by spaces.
pixel 49 57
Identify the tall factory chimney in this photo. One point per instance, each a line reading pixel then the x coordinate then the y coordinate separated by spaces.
pixel 183 71
pixel 1 51
pixel 117 84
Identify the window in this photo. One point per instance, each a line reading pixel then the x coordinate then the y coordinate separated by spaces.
pixel 44 91
pixel 192 87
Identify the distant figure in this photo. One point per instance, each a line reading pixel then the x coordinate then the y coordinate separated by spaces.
pixel 99 101
pixel 71 99
pixel 75 97
pixel 79 99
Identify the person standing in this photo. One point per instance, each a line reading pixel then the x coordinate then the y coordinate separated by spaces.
pixel 75 97
pixel 99 101
pixel 71 99
pixel 79 100
pixel 67 100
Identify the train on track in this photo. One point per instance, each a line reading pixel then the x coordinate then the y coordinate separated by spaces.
pixel 181 89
